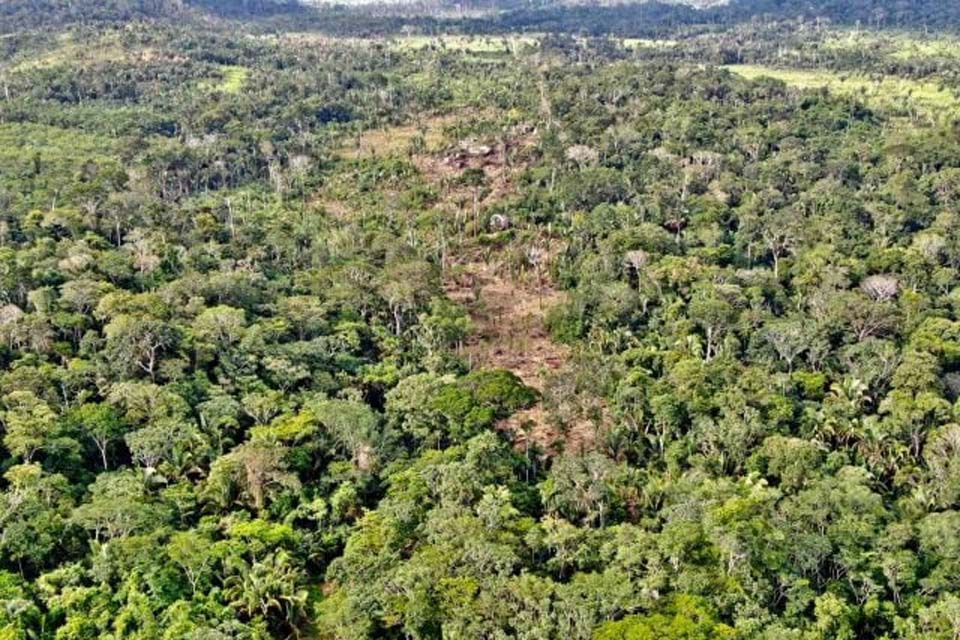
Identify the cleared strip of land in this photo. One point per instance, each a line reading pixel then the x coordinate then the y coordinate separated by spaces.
pixel 886 92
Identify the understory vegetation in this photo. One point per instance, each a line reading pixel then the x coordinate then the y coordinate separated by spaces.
pixel 412 336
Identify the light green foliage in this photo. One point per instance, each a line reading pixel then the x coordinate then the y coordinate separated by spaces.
pixel 433 408
pixel 35 507
pixel 118 505
pixel 687 618
pixel 642 43
pixel 889 92
pixel 233 79
pixel 40 163
pixel 899 46
pixel 468 44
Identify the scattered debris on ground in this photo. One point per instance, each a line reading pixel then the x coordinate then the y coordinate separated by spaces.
pixel 508 306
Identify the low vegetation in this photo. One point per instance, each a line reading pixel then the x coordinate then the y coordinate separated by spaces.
pixel 888 93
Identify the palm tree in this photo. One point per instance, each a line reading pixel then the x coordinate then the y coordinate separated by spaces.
pixel 270 589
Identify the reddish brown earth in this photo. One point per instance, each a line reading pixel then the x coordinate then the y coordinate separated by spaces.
pixel 508 307
pixel 510 316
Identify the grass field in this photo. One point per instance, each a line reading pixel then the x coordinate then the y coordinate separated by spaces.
pixel 397 140
pixel 477 45
pixel 232 80
pixel 898 46
pixel 939 48
pixel 68 51
pixel 886 93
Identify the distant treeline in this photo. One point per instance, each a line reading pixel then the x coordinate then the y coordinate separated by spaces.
pixel 651 18
pixel 639 19
pixel 17 15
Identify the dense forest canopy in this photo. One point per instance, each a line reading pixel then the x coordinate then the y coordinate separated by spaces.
pixel 553 323
pixel 631 18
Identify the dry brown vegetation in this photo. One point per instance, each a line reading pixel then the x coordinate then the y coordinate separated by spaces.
pixel 510 314
pixel 399 140
pixel 506 289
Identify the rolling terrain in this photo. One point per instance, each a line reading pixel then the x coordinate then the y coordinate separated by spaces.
pixel 425 321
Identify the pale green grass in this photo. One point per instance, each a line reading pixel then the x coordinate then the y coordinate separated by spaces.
pixel 939 48
pixel 70 52
pixel 853 40
pixel 233 79
pixel 392 141
pixel 885 93
pixel 898 46
pixel 478 45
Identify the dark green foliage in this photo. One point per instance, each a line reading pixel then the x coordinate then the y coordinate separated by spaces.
pixel 246 277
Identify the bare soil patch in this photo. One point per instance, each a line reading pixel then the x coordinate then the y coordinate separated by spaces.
pixel 510 318
pixel 508 305
pixel 510 315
